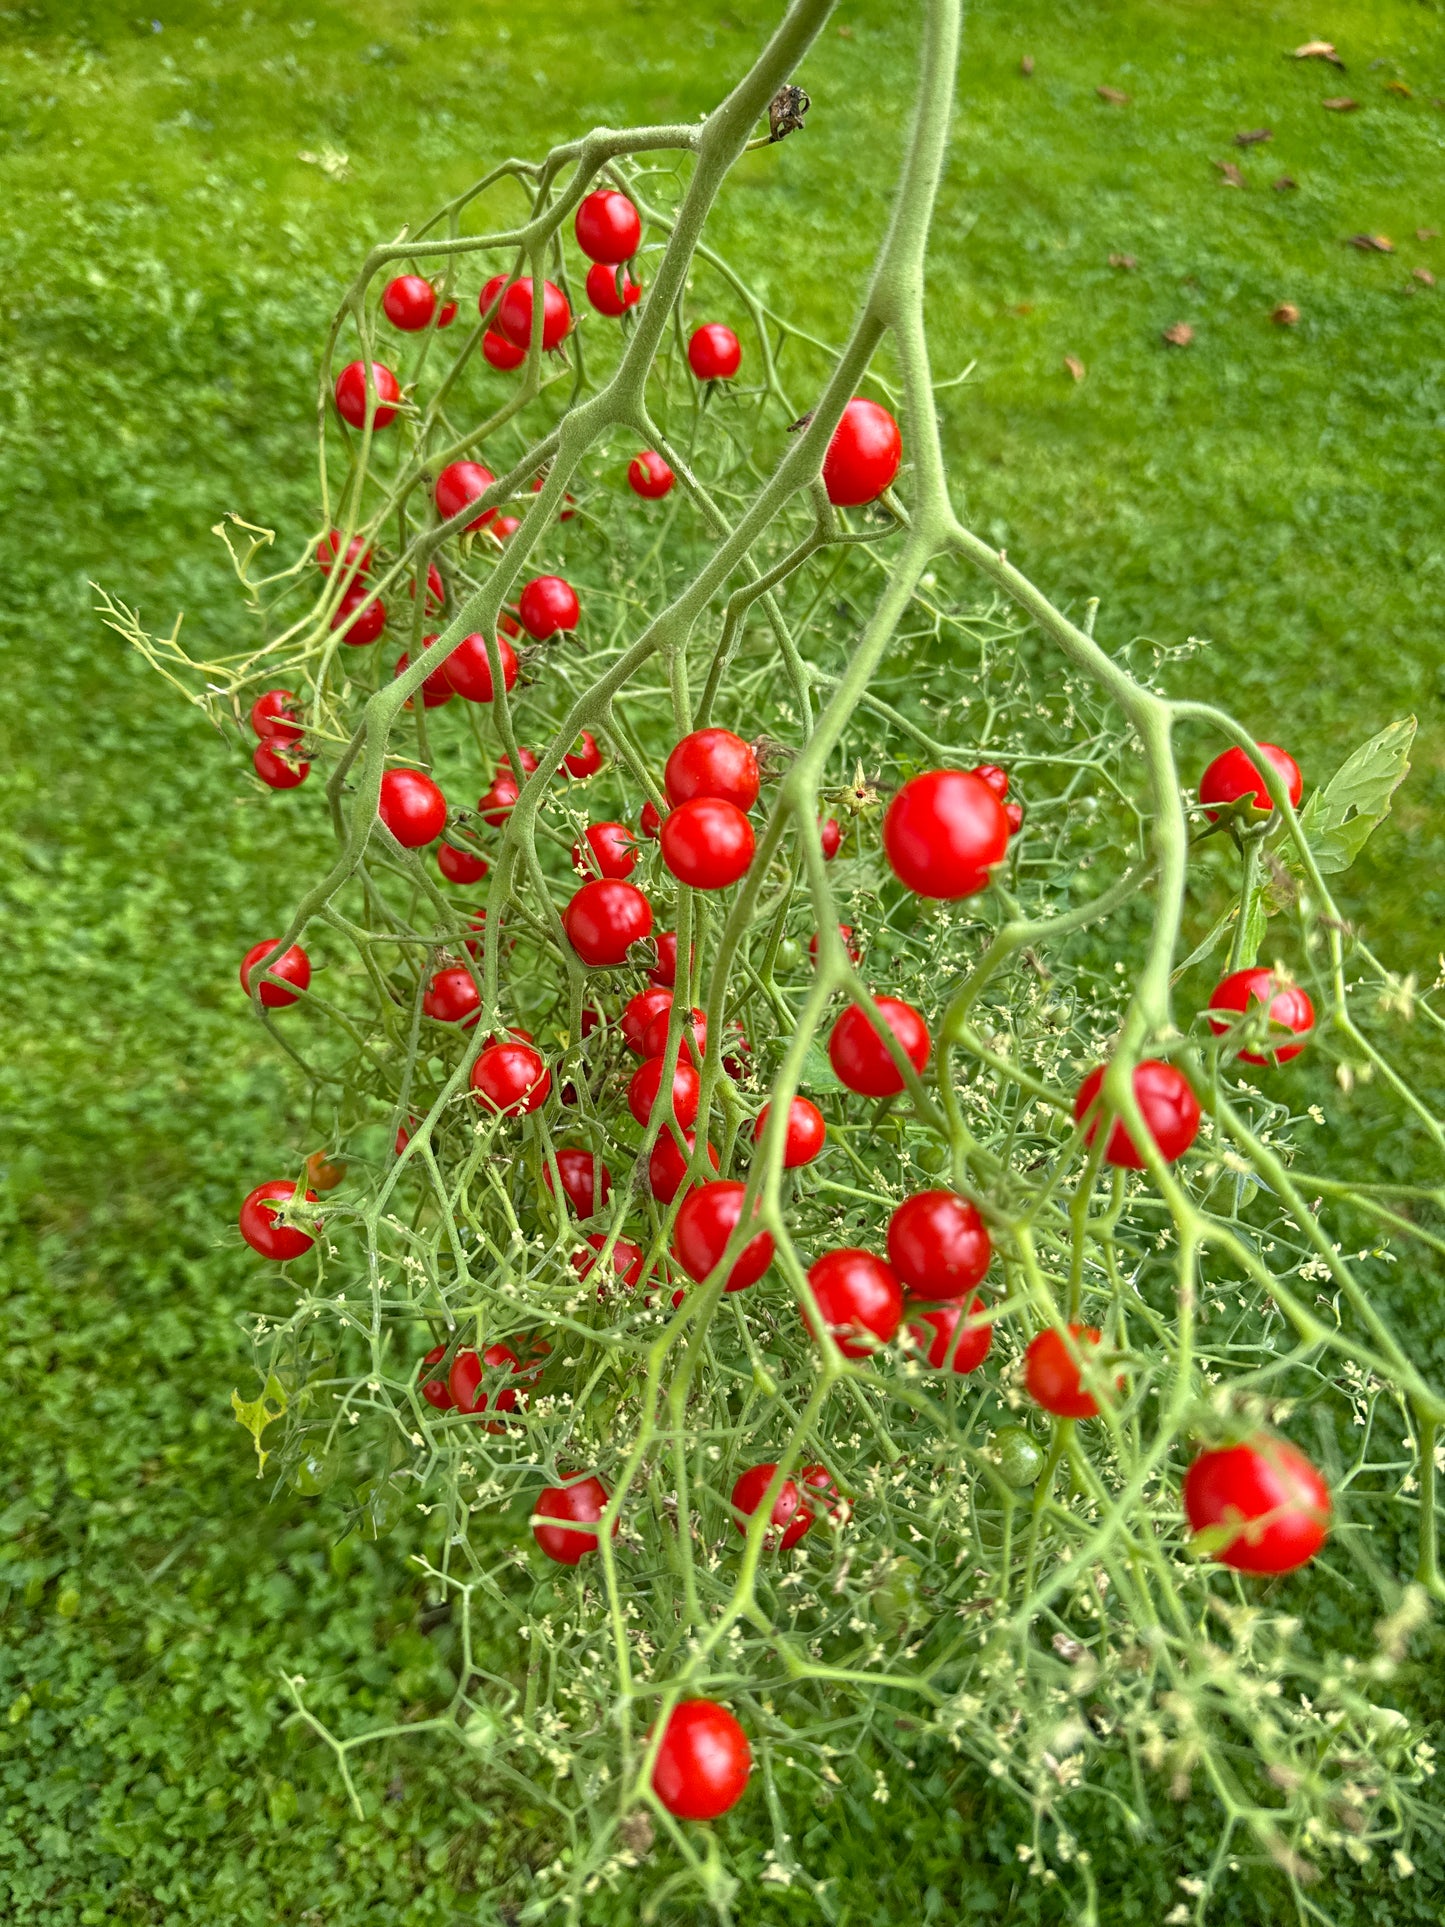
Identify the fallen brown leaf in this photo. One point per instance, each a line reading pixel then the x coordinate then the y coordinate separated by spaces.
pixel 1285 184
pixel 1180 335
pixel 1022 307
pixel 1232 175
pixel 1339 104
pixel 1372 243
pixel 1026 65
pixel 1427 234
pixel 1285 315
pixel 1253 139
pixel 1400 87
pixel 1424 274
pixel 1319 50
pixel 1113 96
pixel 1122 261
pixel 845 33
pixel 1074 366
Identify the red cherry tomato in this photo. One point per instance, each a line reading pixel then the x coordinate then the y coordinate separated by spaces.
pixel 548 604
pixel 511 1079
pixel 638 1012
pixel 1014 817
pixel 329 547
pixel 859 1056
pixel 845 932
pixel 496 804
pixel 668 1160
pixel 703 1763
pixel 514 317
pixel 412 807
pixel 503 527
pixel 322 1174
pixel 433 1389
pixel 830 835
pixel 1170 1108
pixel 707 843
pixel 938 1245
pixel 714 353
pixel 500 353
pixel 578 1171
pixel 352 396
pixel 576 1505
pixel 1053 1373
pixel 857 1298
pixel 436 594
pixel 1272 1492
pixel 436 688
pixel 273 717
pixel 650 820
pixel 293 966
pixel 609 851
pixel 1233 775
pixel 260 1229
pixel 470 672
pixel 956 1336
pixel 361 619
pixel 789 1514
pixel 602 291
pixel 693 1044
pixel 410 302
pixel 707 1219
pixel 712 762
pixel 1289 1006
pixel 608 227
pixel 649 476
pixel 278 772
pixel 488 294
pixel 464 1382
pixel 646 1082
pixel 584 758
pixel 804 1135
pixel 627 1260
pixel 664 971
pixel 863 456
pixel 604 919
pixel 452 998
pixel 943 833
pixel 460 866
pixel 459 484
pixel 996 778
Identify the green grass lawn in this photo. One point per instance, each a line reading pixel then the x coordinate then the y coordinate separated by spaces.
pixel 171 262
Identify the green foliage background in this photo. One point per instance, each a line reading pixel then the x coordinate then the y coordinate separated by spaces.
pixel 169 264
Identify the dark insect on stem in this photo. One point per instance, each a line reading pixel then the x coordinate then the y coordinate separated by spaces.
pixel 786 110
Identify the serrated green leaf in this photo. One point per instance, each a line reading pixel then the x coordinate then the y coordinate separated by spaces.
pixel 1339 818
pixel 257 1413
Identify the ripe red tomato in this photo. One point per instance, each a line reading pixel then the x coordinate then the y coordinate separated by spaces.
pixel 500 353
pixel 576 1505
pixel 957 1329
pixel 459 484
pixel 610 851
pixel 938 1245
pixel 546 605
pixel 322 1174
pixel 503 527
pixel 260 1229
pixel 830 835
pixel 649 476
pixel 638 1012
pixel 804 1133
pixel 273 717
pixel 707 1219
pixel 703 1763
pixel 863 456
pixel 627 1259
pixel 470 672
pixel 664 971
pixel 859 1056
pixel 511 1079
pixel 293 966
pixel 693 1043
pixel 464 1382
pixel 712 762
pixel 604 919
pixel 361 619
pixel 1053 1375
pixel 1234 775
pixel 496 803
pixel 857 1298
pixel 578 1171
pixel 436 594
pixel 584 758
pixel 845 931
pixel 412 807
pixel 714 353
pixel 608 227
pixel 602 292
pixel 452 997
pixel 668 1160
pixel 650 820
pixel 410 302
pixel 1014 817
pixel 1170 1108
pixel 1271 1491
pixel 352 395
pixel 996 778
pixel 434 1390
pixel 789 1514
pixel 646 1082
pixel 436 688
pixel 514 317
pixel 329 547
pixel 489 291
pixel 460 866
pixel 707 843
pixel 943 833
pixel 1289 1006
pixel 276 771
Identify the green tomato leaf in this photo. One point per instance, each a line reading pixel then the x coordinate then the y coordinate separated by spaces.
pixel 257 1413
pixel 1339 818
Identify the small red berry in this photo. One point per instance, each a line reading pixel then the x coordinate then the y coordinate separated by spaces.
pixel 789 1514
pixel 610 851
pixel 452 997
pixel 857 1298
pixel 638 1013
pixel 1170 1108
pixel 469 668
pixel 276 771
pixel 259 1227
pixel 361 620
pixel 712 762
pixel 353 396
pixel 511 1078
pixel 714 353
pixel 460 866
pixel 548 604
pixel 412 807
pixel 272 717
pixel 803 1135
pixel 579 1172
pixel 584 758
pixel 944 832
pixel 608 227
pixel 1290 1011
pixel 1271 1492
pixel 500 353
pixel 1234 775
pixel 667 1163
pixel 459 484
pixel 602 292
pixel 830 835
pixel 707 1219
pixel 703 1762
pixel 863 456
pixel 649 476
pixel 514 317
pixel 646 1083
pixel 861 1059
pixel 955 1336
pixel 409 303
pixel 707 843
pixel 293 967
pixel 938 1245
pixel 1053 1374
pixel 581 1504
pixel 604 919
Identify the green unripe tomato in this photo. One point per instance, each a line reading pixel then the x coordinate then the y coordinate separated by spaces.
pixel 898 1597
pixel 314 1472
pixel 790 954
pixel 1020 1457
